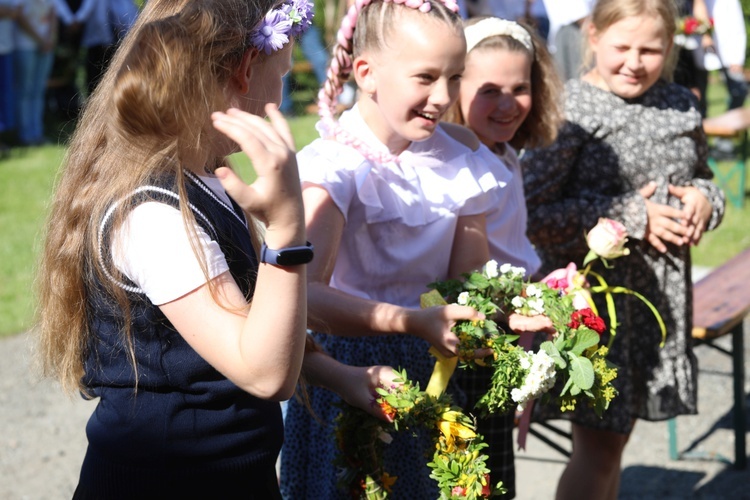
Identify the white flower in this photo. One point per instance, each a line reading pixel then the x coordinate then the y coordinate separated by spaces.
pixel 463 298
pixel 516 394
pixel 519 271
pixel 536 306
pixel 505 268
pixel 490 269
pixel 524 362
pixel 533 291
pixel 518 302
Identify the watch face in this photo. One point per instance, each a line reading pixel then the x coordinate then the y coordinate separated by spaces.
pixel 291 257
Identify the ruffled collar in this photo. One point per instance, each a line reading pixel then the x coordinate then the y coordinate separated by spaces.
pixel 433 152
pixel 431 179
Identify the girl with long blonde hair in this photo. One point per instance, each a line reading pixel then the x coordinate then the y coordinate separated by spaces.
pixel 156 293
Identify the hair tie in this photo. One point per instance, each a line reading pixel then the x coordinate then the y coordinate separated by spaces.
pixel 494 26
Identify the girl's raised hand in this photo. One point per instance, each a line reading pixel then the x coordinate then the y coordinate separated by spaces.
pixel 275 196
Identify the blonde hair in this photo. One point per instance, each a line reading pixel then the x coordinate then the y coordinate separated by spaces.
pixel 366 27
pixel 150 112
pixel 608 12
pixel 545 117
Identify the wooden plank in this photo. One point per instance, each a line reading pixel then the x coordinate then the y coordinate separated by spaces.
pixel 728 124
pixel 722 299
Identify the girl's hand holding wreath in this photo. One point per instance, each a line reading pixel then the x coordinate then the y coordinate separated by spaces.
pixel 435 325
pixel 521 324
pixel 360 390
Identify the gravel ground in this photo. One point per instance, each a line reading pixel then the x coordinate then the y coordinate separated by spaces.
pixel 42 441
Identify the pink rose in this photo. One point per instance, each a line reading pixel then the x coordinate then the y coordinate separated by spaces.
pixel 569 280
pixel 562 279
pixel 607 239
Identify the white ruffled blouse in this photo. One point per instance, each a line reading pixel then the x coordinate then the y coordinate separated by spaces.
pixel 400 216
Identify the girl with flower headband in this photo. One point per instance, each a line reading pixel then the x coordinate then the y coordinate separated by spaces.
pixel 632 149
pixel 154 295
pixel 394 200
pixel 509 98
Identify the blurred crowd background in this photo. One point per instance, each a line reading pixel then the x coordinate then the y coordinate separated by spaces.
pixel 52 53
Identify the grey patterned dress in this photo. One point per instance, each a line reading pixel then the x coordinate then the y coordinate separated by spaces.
pixel 608 148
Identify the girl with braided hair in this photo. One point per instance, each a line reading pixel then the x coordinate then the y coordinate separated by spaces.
pixel 394 200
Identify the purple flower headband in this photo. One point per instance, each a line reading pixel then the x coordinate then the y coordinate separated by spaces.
pixel 286 21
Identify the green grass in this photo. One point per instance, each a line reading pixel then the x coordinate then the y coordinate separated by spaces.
pixel 26 181
pixel 25 184
pixel 733 235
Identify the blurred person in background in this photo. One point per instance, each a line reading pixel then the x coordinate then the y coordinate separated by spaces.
pixel 92 20
pixel 566 38
pixel 32 64
pixel 727 52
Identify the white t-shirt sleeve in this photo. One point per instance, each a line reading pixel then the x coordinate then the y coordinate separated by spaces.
pixel 152 248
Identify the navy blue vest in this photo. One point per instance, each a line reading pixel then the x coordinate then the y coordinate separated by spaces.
pixel 186 419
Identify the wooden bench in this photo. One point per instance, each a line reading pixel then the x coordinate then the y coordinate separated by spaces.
pixel 732 124
pixel 721 300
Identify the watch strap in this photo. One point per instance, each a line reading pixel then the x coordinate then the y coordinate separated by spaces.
pixel 288 256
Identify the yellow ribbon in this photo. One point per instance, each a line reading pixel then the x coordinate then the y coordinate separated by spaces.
pixel 441 374
pixel 444 367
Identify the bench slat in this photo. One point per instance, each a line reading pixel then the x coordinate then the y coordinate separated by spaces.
pixel 722 299
pixel 728 124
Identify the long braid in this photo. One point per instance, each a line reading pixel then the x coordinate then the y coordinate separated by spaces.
pixel 340 70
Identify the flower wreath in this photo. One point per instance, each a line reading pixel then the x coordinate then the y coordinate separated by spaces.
pixel 568 369
pixel 288 20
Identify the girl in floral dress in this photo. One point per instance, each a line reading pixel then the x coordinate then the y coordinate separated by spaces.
pixel 632 149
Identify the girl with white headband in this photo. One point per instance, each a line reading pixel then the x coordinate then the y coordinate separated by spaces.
pixel 509 99
pixel 394 200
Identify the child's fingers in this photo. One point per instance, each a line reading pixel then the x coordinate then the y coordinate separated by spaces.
pixel 257 138
pixel 678 191
pixel 267 131
pixel 455 312
pixel 648 190
pixel 281 125
pixel 236 188
pixel 240 132
pixel 656 242
pixel 247 130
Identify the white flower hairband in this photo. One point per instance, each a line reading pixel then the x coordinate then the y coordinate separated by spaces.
pixel 494 27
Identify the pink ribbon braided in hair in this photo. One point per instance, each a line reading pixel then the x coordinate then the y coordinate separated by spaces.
pixel 340 68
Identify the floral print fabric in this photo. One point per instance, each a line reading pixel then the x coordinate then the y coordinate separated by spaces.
pixel 606 151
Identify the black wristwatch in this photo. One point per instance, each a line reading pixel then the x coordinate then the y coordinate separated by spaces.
pixel 290 256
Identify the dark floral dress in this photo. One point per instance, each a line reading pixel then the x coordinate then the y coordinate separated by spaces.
pixel 608 148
